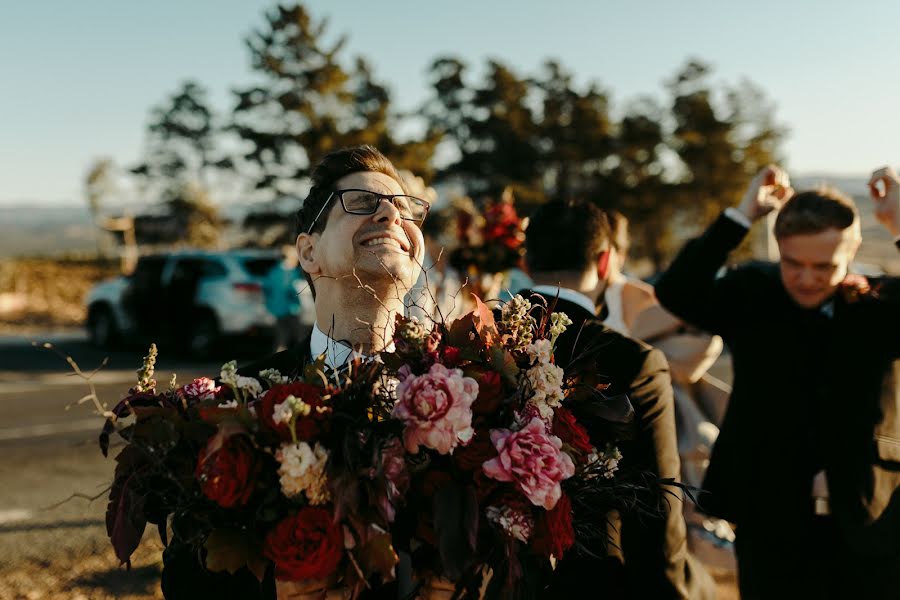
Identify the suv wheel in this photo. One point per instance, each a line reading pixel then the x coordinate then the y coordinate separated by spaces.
pixel 203 336
pixel 102 327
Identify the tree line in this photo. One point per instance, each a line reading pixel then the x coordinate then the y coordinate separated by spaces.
pixel 666 162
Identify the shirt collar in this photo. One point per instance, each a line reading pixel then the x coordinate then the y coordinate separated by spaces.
pixel 337 353
pixel 569 295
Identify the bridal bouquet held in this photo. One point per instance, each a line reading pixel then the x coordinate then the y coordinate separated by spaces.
pixel 454 446
pixel 302 477
pixel 497 463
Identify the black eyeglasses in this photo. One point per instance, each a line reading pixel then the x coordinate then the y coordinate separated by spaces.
pixel 366 202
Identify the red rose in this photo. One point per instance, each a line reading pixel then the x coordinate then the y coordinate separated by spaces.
pixel 553 531
pixel 450 356
pixel 570 431
pixel 477 452
pixel 490 393
pixel 307 427
pixel 227 475
pixel 309 545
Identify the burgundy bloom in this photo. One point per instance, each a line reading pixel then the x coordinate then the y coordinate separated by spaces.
pixel 490 393
pixel 553 532
pixel 476 453
pixel 309 427
pixel 308 545
pixel 228 474
pixel 570 431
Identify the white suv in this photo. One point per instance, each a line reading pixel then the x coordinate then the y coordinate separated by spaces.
pixel 194 299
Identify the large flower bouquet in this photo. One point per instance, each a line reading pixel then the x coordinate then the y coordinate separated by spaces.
pixel 300 476
pixel 504 479
pixel 455 446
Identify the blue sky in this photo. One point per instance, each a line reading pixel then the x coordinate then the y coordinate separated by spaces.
pixel 78 78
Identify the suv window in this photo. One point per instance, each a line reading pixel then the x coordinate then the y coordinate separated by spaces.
pixel 199 267
pixel 148 272
pixel 259 267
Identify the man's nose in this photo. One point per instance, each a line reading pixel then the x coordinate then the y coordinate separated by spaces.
pixel 387 211
pixel 807 277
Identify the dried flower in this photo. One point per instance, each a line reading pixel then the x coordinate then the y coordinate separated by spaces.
pixel 517 322
pixel 145 382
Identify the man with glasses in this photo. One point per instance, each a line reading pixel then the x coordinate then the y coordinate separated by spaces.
pixel 360 246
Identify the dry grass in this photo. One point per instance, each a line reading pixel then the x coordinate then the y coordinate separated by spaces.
pixel 52 291
pixel 94 577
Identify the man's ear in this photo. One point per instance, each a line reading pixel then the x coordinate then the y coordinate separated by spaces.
pixel 603 265
pixel 306 253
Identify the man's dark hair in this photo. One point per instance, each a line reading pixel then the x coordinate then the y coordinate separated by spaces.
pixel 815 211
pixel 331 169
pixel 566 236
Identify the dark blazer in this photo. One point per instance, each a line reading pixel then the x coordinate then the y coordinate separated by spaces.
pixel 652 561
pixel 184 577
pixel 810 392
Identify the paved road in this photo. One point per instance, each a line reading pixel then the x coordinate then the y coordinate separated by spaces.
pixel 48 444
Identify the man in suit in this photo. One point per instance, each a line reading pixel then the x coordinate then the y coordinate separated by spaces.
pixel 568 253
pixel 360 247
pixel 806 463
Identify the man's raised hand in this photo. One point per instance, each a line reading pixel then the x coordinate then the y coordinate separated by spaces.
pixel 884 187
pixel 768 191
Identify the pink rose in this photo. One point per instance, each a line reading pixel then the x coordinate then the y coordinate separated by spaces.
pixel 437 409
pixel 533 460
pixel 202 388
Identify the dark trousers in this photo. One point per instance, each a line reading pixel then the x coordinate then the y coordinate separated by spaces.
pixel 810 560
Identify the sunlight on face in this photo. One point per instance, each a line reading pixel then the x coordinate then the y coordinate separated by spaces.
pixel 380 247
pixel 813 265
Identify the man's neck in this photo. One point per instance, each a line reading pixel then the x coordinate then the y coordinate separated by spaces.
pixel 589 286
pixel 364 318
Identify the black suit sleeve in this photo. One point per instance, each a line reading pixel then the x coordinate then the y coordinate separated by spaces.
pixel 655 549
pixel 690 288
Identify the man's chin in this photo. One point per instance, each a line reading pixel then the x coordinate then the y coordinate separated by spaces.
pixel 390 268
pixel 809 300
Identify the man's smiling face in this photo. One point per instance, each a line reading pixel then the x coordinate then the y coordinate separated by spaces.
pixel 377 247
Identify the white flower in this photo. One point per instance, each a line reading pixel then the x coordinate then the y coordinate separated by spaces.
pixel 540 351
pixel 282 412
pixel 302 470
pixel 273 376
pixel 546 381
pixel 514 522
pixel 608 460
pixel 292 406
pixel 228 375
pixel 228 404
pixel 249 385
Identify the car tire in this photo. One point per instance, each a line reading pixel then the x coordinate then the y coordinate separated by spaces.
pixel 203 336
pixel 102 329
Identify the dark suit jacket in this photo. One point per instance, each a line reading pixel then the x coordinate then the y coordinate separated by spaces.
pixel 184 577
pixel 653 552
pixel 810 392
